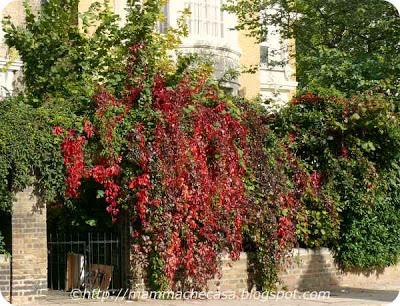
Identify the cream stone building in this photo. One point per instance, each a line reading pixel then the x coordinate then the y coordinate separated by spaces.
pixel 211 32
pixel 10 66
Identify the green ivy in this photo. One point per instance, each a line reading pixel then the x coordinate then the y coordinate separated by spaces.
pixel 354 145
pixel 2 244
pixel 29 154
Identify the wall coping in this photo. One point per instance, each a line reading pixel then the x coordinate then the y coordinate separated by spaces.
pixel 305 252
pixel 294 252
pixel 225 256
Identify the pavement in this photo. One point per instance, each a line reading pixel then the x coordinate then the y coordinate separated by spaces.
pixel 341 296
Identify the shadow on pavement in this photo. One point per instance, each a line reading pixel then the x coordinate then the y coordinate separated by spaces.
pixel 365 294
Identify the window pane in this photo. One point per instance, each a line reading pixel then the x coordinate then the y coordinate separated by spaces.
pixel 264 55
pixel 207 18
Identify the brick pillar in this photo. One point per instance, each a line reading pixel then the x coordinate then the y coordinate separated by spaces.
pixel 29 249
pixel 5 276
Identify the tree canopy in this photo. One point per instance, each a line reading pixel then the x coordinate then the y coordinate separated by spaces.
pixel 342 47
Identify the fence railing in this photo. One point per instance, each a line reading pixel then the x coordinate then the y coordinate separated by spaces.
pixel 95 249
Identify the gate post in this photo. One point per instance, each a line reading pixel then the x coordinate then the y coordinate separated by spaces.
pixel 4 277
pixel 29 249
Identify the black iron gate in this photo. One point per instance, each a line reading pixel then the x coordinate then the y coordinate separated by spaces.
pixel 94 248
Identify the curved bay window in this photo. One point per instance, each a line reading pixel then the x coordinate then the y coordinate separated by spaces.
pixel 206 19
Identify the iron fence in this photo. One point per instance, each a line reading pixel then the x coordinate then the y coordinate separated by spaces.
pixel 95 248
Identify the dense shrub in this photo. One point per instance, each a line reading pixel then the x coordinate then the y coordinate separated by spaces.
pixel 350 149
pixel 29 154
pixel 2 244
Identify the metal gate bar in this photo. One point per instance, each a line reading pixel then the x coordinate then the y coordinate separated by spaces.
pixel 96 248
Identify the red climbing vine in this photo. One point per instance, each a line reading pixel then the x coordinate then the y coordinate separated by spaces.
pixel 177 163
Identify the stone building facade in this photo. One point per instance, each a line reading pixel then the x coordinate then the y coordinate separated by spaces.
pixel 211 32
pixel 9 70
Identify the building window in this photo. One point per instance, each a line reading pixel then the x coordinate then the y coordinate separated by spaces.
pixel 163 25
pixel 263 55
pixel 207 18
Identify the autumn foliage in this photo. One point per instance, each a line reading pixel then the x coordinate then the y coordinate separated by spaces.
pixel 180 172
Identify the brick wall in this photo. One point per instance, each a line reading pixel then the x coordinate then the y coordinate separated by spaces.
pixel 5 276
pixel 234 276
pixel 311 270
pixel 316 270
pixel 307 270
pixel 29 249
